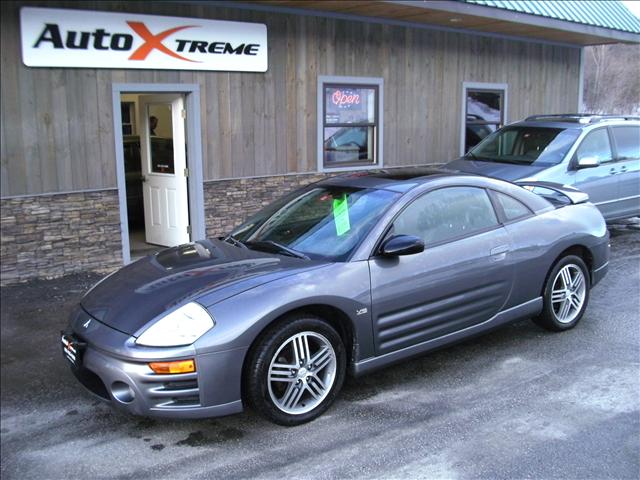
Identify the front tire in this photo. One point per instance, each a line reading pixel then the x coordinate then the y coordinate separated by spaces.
pixel 566 294
pixel 296 370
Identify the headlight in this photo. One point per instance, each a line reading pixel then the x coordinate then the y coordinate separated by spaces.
pixel 181 327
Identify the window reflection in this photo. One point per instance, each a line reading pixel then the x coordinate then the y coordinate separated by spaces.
pixel 484 115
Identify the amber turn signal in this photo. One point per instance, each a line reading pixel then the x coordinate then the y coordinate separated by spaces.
pixel 179 366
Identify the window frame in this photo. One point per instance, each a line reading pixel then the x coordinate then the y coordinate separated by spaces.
pixel 502 88
pixel 377 83
pixel 131 108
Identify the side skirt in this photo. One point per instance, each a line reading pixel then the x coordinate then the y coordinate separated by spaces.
pixel 524 310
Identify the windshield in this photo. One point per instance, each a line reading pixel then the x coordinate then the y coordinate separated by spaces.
pixel 325 222
pixel 526 145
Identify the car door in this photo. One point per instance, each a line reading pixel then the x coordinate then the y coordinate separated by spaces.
pixel 462 278
pixel 627 150
pixel 164 162
pixel 601 182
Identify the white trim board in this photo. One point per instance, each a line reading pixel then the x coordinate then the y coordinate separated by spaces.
pixel 480 86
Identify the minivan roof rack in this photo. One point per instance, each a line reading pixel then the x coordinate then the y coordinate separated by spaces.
pixel 580 117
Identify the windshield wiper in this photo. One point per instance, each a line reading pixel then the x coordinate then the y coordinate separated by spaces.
pixel 271 246
pixel 234 241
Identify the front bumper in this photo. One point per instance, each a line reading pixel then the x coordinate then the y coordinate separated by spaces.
pixel 120 375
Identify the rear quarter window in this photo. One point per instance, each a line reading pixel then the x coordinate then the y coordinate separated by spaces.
pixel 512 208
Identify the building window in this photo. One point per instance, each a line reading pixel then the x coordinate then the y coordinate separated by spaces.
pixel 128 112
pixel 350 123
pixel 484 112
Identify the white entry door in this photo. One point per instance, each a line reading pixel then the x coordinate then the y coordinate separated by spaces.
pixel 164 169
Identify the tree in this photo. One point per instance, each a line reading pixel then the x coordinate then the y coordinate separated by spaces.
pixel 612 79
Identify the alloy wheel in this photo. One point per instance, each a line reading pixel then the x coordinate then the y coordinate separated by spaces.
pixel 302 373
pixel 568 293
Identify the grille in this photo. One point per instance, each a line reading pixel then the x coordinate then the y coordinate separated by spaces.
pixel 172 391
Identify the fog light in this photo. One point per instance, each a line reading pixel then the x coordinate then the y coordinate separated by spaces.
pixel 122 392
pixel 179 366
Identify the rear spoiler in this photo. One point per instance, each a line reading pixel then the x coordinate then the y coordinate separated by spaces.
pixel 573 194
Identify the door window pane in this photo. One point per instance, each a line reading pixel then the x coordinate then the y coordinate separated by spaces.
pixel 484 114
pixel 511 207
pixel 446 214
pixel 349 125
pixel 627 142
pixel 596 144
pixel 161 138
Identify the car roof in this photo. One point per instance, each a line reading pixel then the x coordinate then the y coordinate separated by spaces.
pixel 576 121
pixel 549 124
pixel 401 179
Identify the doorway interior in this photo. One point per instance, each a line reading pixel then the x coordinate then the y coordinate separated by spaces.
pixel 160 200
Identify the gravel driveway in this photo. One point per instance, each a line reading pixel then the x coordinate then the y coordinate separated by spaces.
pixel 518 403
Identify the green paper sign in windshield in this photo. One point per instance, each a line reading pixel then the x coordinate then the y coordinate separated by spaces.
pixel 341 215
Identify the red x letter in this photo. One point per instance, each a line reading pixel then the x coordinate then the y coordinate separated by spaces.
pixel 154 42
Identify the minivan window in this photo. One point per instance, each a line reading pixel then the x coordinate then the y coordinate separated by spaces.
pixel 596 144
pixel 524 145
pixel 446 214
pixel 627 142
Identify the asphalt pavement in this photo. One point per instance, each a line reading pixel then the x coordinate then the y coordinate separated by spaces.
pixel 519 402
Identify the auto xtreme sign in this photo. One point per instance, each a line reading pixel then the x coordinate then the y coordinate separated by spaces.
pixel 88 39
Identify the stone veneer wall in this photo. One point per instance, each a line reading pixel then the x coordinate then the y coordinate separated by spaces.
pixel 228 203
pixel 52 235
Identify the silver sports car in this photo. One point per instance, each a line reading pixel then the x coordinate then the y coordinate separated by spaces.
pixel 344 276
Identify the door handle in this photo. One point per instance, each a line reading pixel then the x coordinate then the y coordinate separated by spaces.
pixel 612 171
pixel 143 178
pixel 623 169
pixel 499 253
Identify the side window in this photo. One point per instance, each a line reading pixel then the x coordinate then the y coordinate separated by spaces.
pixel 596 144
pixel 627 142
pixel 513 209
pixel 446 214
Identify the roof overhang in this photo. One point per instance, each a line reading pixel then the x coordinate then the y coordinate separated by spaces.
pixel 459 16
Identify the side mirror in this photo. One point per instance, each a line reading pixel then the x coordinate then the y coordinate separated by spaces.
pixel 402 245
pixel 588 162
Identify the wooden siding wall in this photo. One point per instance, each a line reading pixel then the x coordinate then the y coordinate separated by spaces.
pixel 57 126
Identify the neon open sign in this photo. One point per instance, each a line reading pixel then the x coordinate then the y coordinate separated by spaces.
pixel 345 98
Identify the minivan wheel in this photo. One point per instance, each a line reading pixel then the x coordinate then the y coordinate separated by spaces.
pixel 296 370
pixel 566 294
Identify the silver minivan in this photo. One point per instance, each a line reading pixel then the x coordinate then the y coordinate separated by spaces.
pixel 597 154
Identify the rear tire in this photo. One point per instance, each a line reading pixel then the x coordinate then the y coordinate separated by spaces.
pixel 566 294
pixel 296 370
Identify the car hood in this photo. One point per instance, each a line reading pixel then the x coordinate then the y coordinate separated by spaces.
pixel 504 171
pixel 136 294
